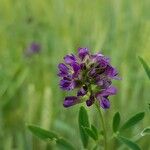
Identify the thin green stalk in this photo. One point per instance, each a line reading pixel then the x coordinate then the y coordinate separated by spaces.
pixel 103 126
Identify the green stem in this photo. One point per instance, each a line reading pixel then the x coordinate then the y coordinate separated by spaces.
pixel 103 125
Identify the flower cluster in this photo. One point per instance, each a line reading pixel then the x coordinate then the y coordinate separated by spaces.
pixel 90 75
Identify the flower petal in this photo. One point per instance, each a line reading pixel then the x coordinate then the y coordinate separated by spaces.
pixel 76 69
pixel 103 82
pixel 102 62
pixel 100 58
pixel 67 84
pixel 69 59
pixel 82 52
pixel 109 91
pixel 111 71
pixel 70 101
pixel 104 103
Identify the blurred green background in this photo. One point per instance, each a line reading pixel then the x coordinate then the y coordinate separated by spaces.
pixel 29 91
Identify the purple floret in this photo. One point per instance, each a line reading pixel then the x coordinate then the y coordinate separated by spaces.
pixel 70 101
pixel 70 59
pixel 104 103
pixel 67 84
pixel 63 70
pixel 76 69
pixel 83 52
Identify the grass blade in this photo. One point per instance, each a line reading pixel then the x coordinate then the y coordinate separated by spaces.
pixel 146 67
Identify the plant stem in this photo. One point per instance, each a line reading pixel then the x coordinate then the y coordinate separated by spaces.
pixel 103 125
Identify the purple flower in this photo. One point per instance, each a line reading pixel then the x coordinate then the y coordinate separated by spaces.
pixel 91 75
pixel 33 49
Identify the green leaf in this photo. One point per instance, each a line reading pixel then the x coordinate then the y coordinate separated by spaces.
pixel 133 120
pixel 64 144
pixel 129 143
pixel 94 129
pixel 83 122
pixel 42 133
pixel 91 133
pixel 146 67
pixel 48 135
pixel 116 121
pixel 146 131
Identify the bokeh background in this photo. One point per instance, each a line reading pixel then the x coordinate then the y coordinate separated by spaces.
pixel 29 91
